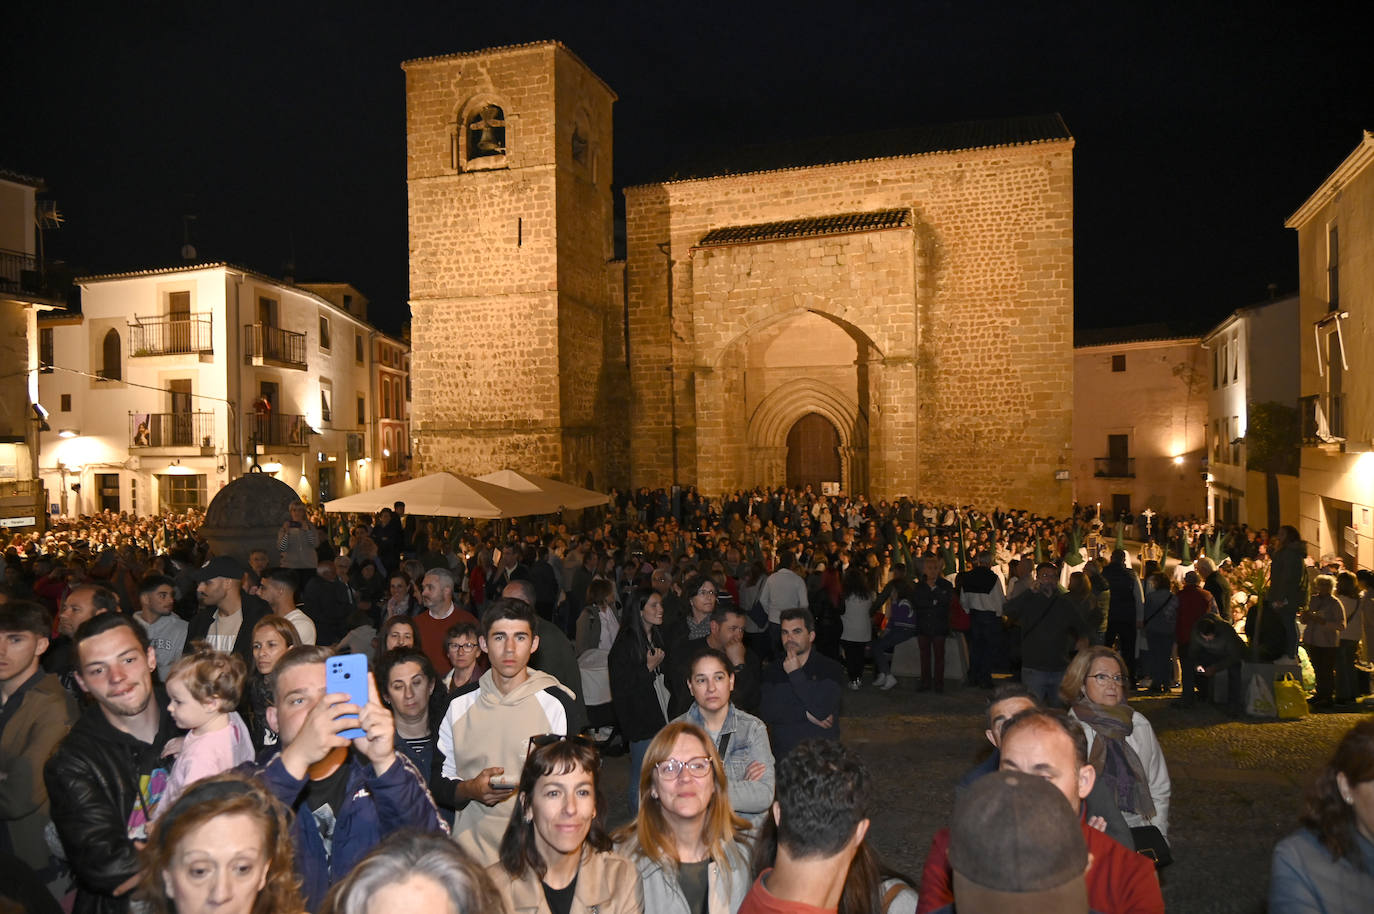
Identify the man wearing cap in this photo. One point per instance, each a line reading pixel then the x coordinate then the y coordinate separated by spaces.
pixel 1015 850
pixel 1045 745
pixel 227 614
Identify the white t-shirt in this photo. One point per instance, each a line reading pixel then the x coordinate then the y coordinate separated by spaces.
pixel 784 589
pixel 224 631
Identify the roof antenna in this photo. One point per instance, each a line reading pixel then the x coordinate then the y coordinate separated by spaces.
pixel 288 269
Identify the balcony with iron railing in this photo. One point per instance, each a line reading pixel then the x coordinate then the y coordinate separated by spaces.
pixel 21 275
pixel 1114 467
pixel 278 430
pixel 183 431
pixel 189 335
pixel 265 344
pixel 1323 420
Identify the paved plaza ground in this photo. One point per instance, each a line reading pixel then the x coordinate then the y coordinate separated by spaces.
pixel 1237 786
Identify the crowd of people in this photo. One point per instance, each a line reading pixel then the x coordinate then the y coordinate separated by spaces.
pixel 172 735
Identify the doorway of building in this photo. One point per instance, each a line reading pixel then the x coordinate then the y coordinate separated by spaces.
pixel 813 454
pixel 107 491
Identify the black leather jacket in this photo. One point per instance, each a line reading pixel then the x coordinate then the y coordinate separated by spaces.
pixel 93 781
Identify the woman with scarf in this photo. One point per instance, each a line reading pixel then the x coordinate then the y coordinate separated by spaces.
pixel 1121 743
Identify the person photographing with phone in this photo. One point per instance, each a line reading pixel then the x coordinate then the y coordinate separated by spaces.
pixel 348 794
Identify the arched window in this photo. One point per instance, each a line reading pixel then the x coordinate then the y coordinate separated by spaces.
pixel 111 357
pixel 486 132
pixel 386 398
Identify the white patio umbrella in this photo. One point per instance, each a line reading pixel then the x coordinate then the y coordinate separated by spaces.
pixel 560 494
pixel 446 495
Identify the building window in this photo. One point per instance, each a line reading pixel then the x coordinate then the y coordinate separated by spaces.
pixel 326 341
pixel 325 475
pixel 486 132
pixel 386 398
pixel 362 412
pixel 358 348
pixel 348 302
pixel 45 348
pixel 1118 363
pixel 326 402
pixel 66 404
pixel 177 493
pixel 1216 362
pixel 111 368
pixel 1333 273
pixel 1235 358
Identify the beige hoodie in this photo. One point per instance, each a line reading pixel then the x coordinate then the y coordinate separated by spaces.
pixel 484 728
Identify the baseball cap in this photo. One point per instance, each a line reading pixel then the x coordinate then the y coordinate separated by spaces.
pixel 1016 845
pixel 221 566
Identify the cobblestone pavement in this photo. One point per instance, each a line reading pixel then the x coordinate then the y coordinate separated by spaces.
pixel 1237 786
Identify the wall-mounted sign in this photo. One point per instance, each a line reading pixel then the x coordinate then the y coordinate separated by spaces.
pixel 18 521
pixel 1061 475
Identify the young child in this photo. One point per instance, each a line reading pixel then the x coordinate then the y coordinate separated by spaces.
pixel 204 688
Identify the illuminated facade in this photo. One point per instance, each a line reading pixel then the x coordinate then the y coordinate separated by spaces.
pixel 1336 306
pixel 1252 360
pixel 23 296
pixel 1140 407
pixel 170 381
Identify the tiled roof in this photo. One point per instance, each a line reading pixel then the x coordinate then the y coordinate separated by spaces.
pixel 18 178
pixel 1136 333
pixel 800 228
pixel 859 147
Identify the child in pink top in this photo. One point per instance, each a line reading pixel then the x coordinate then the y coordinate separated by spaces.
pixel 204 688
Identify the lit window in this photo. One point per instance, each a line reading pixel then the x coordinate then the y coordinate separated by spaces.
pixel 325 339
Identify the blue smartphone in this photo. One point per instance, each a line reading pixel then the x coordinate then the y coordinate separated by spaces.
pixel 348 673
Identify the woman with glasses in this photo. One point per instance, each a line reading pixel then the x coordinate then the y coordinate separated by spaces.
pixel 556 857
pixel 1122 745
pixel 464 652
pixel 638 691
pixel 740 738
pixel 687 841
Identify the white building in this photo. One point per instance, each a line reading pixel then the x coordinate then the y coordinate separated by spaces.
pixel 1253 362
pixel 23 295
pixel 172 382
pixel 1138 411
pixel 1336 293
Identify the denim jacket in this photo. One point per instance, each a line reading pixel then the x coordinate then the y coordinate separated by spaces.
pixel 748 742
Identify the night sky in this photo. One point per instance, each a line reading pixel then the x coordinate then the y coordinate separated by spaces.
pixel 282 126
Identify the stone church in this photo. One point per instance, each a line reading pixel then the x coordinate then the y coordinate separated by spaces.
pixel 891 319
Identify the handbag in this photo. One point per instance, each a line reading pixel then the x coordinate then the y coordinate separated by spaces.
pixel 959 620
pixel 1290 698
pixel 1150 842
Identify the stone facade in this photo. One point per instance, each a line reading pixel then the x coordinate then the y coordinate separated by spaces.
pixel 922 303
pixel 514 335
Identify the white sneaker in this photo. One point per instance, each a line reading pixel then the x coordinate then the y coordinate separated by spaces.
pixel 889 683
pixel 879 679
pixel 853 685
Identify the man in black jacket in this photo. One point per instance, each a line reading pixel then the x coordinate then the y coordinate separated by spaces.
pixel 105 778
pixel 227 614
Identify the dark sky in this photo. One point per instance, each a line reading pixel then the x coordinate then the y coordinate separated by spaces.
pixel 1200 127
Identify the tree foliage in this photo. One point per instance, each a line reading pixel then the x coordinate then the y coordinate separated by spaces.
pixel 1272 435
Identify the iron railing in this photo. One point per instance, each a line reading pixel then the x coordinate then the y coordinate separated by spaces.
pixel 1114 467
pixel 278 429
pixel 1323 419
pixel 195 430
pixel 170 336
pixel 273 344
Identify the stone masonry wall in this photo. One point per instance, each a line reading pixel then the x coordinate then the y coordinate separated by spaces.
pixel 507 264
pixel 974 404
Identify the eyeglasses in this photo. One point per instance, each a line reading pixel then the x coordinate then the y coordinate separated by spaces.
pixel 458 645
pixel 671 769
pixel 1104 678
pixel 706 593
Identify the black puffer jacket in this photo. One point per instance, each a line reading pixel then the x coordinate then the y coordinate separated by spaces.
pixel 93 782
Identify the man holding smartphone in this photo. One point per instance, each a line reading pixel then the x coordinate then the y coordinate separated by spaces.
pixel 347 794
pixel 485 734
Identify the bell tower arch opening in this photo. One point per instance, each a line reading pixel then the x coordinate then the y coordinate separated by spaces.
pixel 813 452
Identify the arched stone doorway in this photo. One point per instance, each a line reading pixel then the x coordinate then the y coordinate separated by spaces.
pixel 813 452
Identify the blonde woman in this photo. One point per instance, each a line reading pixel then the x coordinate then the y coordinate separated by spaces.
pixel 686 840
